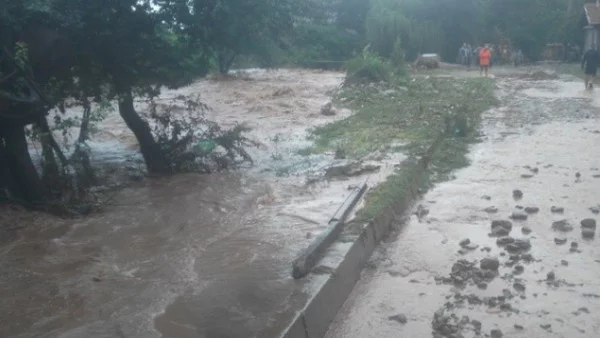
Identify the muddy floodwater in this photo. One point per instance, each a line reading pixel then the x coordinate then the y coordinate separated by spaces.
pixel 540 276
pixel 191 255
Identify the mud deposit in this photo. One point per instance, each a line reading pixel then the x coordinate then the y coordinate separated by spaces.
pixel 191 255
pixel 509 248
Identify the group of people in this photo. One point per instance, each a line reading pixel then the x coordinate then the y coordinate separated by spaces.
pixel 486 56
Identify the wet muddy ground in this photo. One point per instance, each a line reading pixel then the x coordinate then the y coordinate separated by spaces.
pixel 192 255
pixel 507 248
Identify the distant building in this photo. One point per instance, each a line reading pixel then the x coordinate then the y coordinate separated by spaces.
pixel 592 27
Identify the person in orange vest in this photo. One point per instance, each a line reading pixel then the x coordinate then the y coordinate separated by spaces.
pixel 484 59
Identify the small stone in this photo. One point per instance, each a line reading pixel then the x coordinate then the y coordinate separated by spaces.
pixel 564 263
pixel 465 242
pixel 502 224
pixel 499 231
pixel 588 223
pixel 519 215
pixel 583 309
pixel 526 175
pixel 486 249
pixel 491 210
pixel 578 174
pixel 486 197
pixel 518 269
pixel 562 225
pixel 560 241
pixel 574 245
pixel 490 264
pixel 476 325
pixel 557 210
pixel 399 318
pixel 521 244
pixel 482 285
pixel 504 240
pixel 526 230
pixel 495 333
pixel 517 193
pixel 519 327
pixel 551 276
pixel 546 327
pixel 519 287
pixel 532 210
pixel 595 209
pixel 588 233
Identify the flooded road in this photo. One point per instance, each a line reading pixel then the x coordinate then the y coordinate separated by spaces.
pixel 190 255
pixel 445 276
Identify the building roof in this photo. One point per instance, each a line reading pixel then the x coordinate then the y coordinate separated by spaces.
pixel 592 13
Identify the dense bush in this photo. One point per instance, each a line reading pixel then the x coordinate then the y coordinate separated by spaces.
pixel 368 67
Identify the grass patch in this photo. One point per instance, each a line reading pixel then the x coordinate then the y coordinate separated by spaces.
pixel 413 113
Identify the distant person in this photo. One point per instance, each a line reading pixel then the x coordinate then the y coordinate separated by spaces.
pixel 485 55
pixel 469 54
pixel 517 57
pixel 589 65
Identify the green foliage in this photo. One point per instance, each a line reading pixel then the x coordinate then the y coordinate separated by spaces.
pixel 191 142
pixel 386 24
pixel 368 67
pixel 322 42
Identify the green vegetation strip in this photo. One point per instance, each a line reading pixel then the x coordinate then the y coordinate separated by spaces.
pixel 408 116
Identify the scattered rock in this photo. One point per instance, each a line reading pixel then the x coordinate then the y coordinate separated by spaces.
pixel 526 176
pixel 486 197
pixel 399 318
pixel 519 287
pixel 560 241
pixel 490 264
pixel 499 231
pixel 595 209
pixel 502 223
pixel 491 210
pixel 327 109
pixel 502 241
pixel 521 244
pixel 588 233
pixel 551 276
pixel 482 285
pixel 557 210
pixel 517 194
pixel 574 245
pixel 588 223
pixel 476 325
pixel 340 154
pixel 564 263
pixel 465 242
pixel 526 230
pixel 496 333
pixel 562 225
pixel 501 228
pixel 578 174
pixel 519 215
pixel 518 269
pixel 546 327
pixel 519 327
pixel 583 309
pixel 532 210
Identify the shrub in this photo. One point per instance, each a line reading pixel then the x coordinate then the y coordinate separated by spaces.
pixel 367 67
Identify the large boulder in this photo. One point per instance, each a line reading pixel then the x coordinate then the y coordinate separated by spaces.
pixel 427 61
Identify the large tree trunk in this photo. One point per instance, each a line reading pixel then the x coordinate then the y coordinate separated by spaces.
pixel 23 179
pixel 156 163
